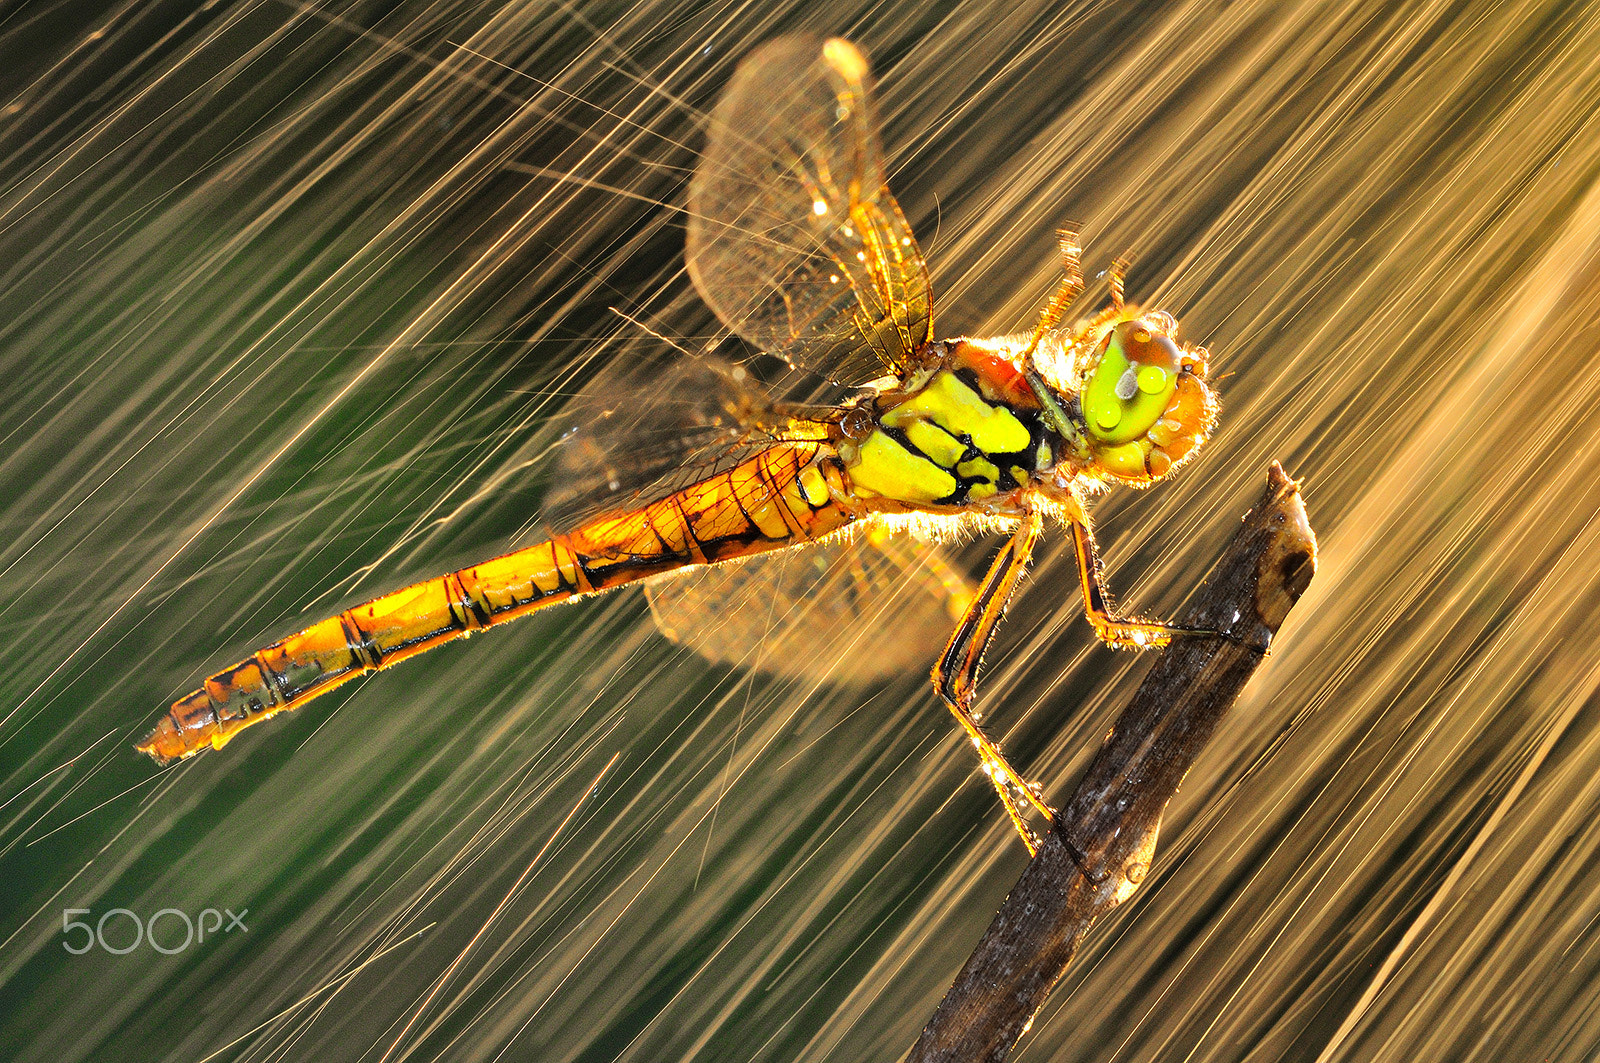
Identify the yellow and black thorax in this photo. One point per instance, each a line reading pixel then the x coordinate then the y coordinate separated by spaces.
pixel 963 429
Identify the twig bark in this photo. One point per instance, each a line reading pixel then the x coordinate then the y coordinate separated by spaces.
pixel 1103 840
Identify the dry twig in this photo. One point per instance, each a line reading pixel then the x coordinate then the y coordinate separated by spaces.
pixel 1104 839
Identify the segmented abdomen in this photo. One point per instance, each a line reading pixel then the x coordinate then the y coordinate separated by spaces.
pixel 778 498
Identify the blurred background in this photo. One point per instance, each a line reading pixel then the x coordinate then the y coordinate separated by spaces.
pixel 294 301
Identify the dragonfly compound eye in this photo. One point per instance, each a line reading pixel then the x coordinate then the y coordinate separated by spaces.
pixel 1146 404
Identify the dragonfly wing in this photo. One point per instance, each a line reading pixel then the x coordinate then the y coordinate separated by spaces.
pixel 849 609
pixel 617 451
pixel 794 238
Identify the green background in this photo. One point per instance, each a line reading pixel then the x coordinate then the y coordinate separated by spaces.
pixel 292 302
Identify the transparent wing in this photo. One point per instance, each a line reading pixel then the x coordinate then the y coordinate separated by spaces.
pixel 855 609
pixel 641 429
pixel 794 239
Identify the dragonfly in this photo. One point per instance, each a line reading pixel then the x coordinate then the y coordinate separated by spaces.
pixel 796 243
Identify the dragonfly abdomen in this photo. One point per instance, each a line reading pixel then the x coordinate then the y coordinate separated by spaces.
pixel 780 497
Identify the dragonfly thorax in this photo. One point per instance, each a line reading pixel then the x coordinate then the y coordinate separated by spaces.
pixel 964 429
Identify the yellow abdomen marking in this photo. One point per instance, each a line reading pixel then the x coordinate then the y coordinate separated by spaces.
pixel 813 486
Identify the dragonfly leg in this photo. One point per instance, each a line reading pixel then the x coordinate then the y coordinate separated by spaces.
pixel 956 675
pixel 1114 630
pixel 1071 264
pixel 1115 280
pixel 1066 292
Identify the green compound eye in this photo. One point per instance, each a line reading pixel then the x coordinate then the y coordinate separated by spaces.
pixel 1131 386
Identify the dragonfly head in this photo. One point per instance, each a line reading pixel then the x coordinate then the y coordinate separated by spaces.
pixel 1146 406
